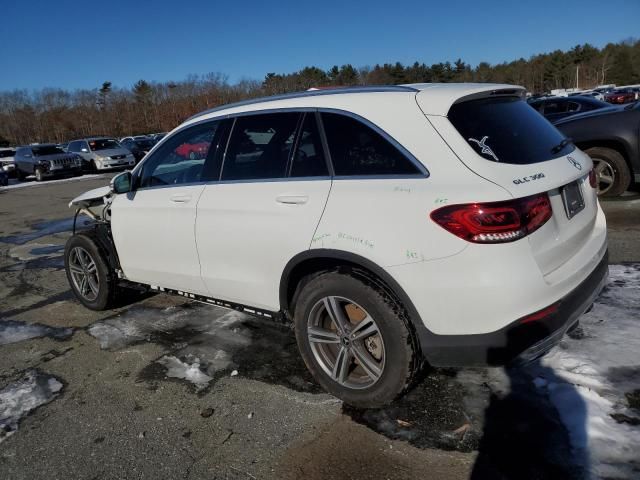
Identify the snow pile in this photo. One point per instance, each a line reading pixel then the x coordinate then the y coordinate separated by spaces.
pixel 12 331
pixel 597 367
pixel 23 396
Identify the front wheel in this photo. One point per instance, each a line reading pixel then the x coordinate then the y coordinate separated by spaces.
pixel 355 340
pixel 39 174
pixel 90 278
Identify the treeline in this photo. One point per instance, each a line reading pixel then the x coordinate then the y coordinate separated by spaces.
pixel 57 115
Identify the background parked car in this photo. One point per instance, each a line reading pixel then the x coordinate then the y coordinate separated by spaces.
pixel 556 108
pixel 139 146
pixel 46 160
pixel 621 95
pixel 102 153
pixel 610 137
pixel 7 163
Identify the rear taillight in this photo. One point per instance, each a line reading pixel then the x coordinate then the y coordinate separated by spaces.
pixel 495 222
pixel 593 180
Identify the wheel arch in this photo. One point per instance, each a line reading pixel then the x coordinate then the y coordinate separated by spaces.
pixel 318 260
pixel 617 144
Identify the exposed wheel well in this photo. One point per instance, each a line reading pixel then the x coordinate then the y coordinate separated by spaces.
pixel 612 144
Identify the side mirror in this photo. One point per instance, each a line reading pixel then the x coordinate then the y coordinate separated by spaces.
pixel 121 183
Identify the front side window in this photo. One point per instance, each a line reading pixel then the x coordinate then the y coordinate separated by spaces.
pixel 260 146
pixel 357 149
pixel 308 158
pixel 181 159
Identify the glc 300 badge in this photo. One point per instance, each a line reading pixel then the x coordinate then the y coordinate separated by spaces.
pixel 575 163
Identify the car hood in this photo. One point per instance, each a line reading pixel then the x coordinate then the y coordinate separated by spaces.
pixel 592 113
pixel 111 152
pixel 92 197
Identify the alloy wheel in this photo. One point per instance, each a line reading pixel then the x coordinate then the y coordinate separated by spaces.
pixel 84 273
pixel 346 342
pixel 605 175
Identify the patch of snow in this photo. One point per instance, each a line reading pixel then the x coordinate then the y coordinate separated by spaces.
pixel 190 372
pixel 202 338
pixel 596 369
pixel 33 251
pixel 23 396
pixel 12 331
pixel 14 184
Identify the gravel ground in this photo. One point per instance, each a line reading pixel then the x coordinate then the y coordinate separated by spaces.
pixel 119 415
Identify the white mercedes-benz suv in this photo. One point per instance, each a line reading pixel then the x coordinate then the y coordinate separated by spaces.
pixel 441 223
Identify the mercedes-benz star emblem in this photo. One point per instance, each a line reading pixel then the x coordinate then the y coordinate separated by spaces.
pixel 575 163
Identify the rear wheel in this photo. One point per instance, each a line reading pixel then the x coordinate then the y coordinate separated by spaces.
pixel 90 278
pixel 20 175
pixel 612 172
pixel 354 339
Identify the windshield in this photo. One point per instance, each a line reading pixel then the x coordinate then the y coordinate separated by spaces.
pixel 507 130
pixel 143 144
pixel 7 153
pixel 46 150
pixel 103 144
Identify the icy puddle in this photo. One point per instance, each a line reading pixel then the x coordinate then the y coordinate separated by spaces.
pixel 205 342
pixel 12 331
pixel 20 398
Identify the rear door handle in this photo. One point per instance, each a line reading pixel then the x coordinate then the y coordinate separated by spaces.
pixel 292 199
pixel 178 198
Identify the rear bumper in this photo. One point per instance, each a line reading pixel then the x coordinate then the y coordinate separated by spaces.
pixel 517 341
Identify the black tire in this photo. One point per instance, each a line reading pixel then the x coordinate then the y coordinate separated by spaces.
pixel 107 280
pixel 613 162
pixel 20 175
pixel 39 174
pixel 396 345
pixel 93 167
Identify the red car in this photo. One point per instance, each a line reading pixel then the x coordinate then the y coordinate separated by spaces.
pixel 624 95
pixel 193 150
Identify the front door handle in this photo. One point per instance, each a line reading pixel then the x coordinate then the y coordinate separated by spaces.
pixel 178 198
pixel 292 199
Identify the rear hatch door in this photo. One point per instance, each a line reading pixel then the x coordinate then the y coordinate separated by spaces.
pixel 504 140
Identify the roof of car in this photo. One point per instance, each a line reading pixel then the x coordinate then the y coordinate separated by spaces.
pixel 437 96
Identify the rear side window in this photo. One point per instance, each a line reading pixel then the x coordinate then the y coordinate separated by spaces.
pixel 507 130
pixel 260 146
pixel 357 149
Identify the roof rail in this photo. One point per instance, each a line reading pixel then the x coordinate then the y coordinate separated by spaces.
pixel 309 93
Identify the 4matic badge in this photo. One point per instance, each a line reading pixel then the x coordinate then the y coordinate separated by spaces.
pixel 529 178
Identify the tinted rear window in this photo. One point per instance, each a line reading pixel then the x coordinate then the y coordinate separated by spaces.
pixel 507 130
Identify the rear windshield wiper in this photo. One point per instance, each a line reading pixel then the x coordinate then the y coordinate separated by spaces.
pixel 561 145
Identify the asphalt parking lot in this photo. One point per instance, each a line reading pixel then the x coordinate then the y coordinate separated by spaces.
pixel 166 388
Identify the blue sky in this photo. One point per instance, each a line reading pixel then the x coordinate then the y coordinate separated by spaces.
pixel 80 44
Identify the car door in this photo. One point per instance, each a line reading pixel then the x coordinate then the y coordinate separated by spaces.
pixel 264 210
pixel 153 226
